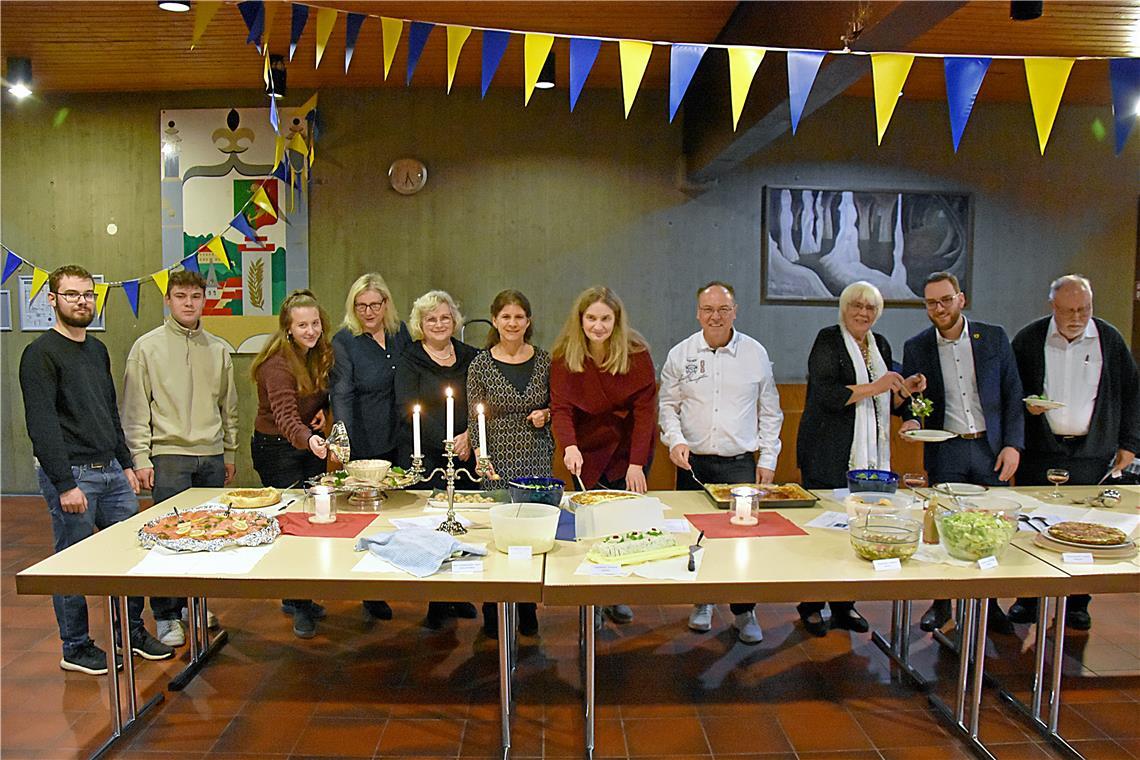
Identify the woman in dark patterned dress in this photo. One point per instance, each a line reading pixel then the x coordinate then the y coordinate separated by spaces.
pixel 511 379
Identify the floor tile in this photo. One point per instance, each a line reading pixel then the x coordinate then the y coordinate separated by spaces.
pixel 339 737
pixel 421 737
pixel 802 725
pixel 678 735
pixel 731 735
pixel 1116 719
pixel 903 728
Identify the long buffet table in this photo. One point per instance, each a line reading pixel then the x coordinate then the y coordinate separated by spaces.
pixel 818 566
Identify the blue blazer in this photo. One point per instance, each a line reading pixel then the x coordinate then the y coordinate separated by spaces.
pixel 999 385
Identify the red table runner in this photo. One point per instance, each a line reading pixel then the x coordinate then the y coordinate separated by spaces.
pixel 718 526
pixel 347 525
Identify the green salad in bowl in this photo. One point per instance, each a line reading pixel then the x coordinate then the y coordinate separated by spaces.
pixel 981 527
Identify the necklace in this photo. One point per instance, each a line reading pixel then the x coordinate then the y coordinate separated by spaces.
pixel 444 355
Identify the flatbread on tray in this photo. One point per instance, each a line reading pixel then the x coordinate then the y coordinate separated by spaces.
pixel 768 492
pixel 1087 534
pixel 250 498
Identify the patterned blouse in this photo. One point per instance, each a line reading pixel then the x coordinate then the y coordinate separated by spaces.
pixel 517 448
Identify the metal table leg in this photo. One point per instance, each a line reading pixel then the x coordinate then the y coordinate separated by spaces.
pixel 898 649
pixel 201 647
pixel 588 682
pixel 972 640
pixel 505 670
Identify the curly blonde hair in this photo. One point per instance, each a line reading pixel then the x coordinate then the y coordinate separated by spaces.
pixel 571 344
pixel 430 301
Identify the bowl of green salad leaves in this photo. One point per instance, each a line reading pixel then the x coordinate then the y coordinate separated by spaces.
pixel 977 527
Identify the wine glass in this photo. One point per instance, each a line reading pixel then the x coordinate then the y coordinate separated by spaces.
pixel 915 480
pixel 1057 476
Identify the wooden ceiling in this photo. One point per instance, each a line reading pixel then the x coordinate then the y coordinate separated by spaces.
pixel 135 46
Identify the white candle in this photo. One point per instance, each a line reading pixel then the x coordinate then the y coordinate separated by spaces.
pixel 482 431
pixel 743 507
pixel 322 505
pixel 450 415
pixel 416 431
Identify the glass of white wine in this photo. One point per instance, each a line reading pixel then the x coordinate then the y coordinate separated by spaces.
pixel 1057 476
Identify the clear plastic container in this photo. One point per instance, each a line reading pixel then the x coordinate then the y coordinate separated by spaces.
pixel 885 537
pixel 532 525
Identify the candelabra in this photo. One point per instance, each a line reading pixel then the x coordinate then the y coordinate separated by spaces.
pixel 451 474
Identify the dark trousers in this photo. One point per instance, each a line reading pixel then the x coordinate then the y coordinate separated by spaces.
pixel 713 469
pixel 962 460
pixel 807 608
pixel 173 474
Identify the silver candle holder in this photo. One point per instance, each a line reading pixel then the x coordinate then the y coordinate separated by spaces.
pixel 483 470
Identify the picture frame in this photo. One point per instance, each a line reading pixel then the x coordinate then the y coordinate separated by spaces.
pixel 816 241
pixel 5 311
pixel 37 315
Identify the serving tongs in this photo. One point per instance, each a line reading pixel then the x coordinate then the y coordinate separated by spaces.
pixel 693 552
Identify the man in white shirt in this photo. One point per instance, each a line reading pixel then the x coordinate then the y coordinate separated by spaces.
pixel 720 417
pixel 1082 362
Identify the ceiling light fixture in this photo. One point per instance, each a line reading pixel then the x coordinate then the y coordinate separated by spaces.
pixel 176 6
pixel 546 76
pixel 278 77
pixel 1025 10
pixel 19 79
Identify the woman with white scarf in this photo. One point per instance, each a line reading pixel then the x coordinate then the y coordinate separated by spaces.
pixel 846 424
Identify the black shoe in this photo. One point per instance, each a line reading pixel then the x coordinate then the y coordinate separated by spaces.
pixel 491 626
pixel 812 620
pixel 1078 620
pixel 304 624
pixel 148 647
pixel 316 611
pixel 528 619
pixel 935 617
pixel 1023 611
pixel 89 659
pixel 436 615
pixel 997 621
pixel 464 610
pixel 378 610
pixel 849 620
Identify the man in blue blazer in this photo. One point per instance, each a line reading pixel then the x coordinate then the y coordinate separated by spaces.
pixel 972 379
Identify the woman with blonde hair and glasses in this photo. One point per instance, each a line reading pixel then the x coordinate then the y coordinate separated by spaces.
pixel 292 377
pixel 603 400
pixel 368 347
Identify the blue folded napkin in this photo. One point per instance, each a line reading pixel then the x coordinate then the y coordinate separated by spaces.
pixel 566 529
pixel 418 551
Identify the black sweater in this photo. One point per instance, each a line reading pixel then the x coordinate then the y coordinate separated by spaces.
pixel 1115 422
pixel 419 380
pixel 69 406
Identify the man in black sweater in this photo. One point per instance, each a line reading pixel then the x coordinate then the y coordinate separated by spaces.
pixel 1083 363
pixel 84 466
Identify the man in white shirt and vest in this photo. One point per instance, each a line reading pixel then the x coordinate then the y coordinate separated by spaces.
pixel 720 417
pixel 1082 362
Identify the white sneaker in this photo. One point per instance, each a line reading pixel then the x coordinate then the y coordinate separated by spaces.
pixel 747 629
pixel 170 632
pixel 701 617
pixel 211 619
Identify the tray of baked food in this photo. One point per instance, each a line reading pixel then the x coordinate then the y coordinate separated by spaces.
pixel 772 496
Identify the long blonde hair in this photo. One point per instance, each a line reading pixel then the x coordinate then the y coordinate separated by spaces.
pixel 311 369
pixel 571 344
pixel 370 281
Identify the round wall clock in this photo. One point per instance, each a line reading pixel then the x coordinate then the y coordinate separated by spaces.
pixel 407 175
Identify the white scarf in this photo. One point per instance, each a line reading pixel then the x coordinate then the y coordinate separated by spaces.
pixel 871 446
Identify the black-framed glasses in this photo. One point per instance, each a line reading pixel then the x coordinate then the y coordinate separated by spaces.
pixel 944 302
pixel 74 296
pixel 364 308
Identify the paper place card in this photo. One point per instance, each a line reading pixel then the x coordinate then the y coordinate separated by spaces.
pixel 680 525
pixel 519 552
pixel 1077 558
pixel 829 520
pixel 987 563
pixel 467 566
pixel 884 565
pixel 370 563
pixel 237 560
pixel 589 568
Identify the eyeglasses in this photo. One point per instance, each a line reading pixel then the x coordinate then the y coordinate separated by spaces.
pixel 723 311
pixel 364 308
pixel 1081 311
pixel 72 296
pixel 444 320
pixel 860 306
pixel 944 302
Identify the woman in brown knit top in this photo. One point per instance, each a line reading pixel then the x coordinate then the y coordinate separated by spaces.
pixel 292 377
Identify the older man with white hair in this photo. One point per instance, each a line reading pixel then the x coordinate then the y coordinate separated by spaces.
pixel 1082 362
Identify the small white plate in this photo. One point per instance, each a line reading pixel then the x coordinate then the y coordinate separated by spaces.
pixel 929 436
pixel 1044 403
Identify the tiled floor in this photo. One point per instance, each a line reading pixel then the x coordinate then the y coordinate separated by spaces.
pixel 396 690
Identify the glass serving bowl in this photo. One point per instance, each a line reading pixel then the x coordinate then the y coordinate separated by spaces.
pixel 885 537
pixel 978 526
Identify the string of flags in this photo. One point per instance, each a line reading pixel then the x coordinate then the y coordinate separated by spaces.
pixel 1046 76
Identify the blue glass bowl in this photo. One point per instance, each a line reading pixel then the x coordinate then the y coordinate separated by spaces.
pixel 536 490
pixel 879 481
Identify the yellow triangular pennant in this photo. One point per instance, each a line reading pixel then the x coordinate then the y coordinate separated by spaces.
pixel 634 58
pixel 219 250
pixel 278 152
pixel 161 277
pixel 392 29
pixel 39 277
pixel 888 74
pixel 742 65
pixel 261 200
pixel 270 14
pixel 265 68
pixel 456 36
pixel 204 11
pixel 326 20
pixel 101 289
pixel 308 106
pixel 1046 78
pixel 536 47
pixel 312 154
pixel 298 145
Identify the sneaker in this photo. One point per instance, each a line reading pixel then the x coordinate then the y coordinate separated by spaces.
pixel 700 619
pixel 316 611
pixel 304 625
pixel 619 613
pixel 170 632
pixel 747 629
pixel 88 659
pixel 211 621
pixel 148 647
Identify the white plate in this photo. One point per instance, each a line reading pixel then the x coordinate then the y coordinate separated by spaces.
pixel 929 436
pixel 1066 542
pixel 1044 403
pixel 962 489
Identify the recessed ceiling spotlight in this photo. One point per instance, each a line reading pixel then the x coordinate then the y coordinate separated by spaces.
pixel 176 6
pixel 19 79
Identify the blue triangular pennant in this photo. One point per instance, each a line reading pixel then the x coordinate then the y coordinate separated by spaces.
pixel 253 14
pixel 417 38
pixel 131 289
pixel 963 80
pixel 583 53
pixel 190 263
pixel 683 60
pixel 282 170
pixel 351 31
pixel 1124 77
pixel 274 119
pixel 242 225
pixel 494 45
pixel 803 65
pixel 12 262
pixel 300 16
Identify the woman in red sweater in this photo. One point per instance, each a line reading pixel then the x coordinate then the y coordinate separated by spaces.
pixel 603 400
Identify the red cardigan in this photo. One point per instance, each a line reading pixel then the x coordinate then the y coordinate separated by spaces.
pixel 612 419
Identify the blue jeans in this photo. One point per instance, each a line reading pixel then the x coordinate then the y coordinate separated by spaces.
pixel 109 500
pixel 173 474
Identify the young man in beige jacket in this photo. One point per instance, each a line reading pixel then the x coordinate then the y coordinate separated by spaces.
pixel 180 413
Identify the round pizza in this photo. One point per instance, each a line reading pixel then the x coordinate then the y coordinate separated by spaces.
pixel 1087 534
pixel 250 498
pixel 209 529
